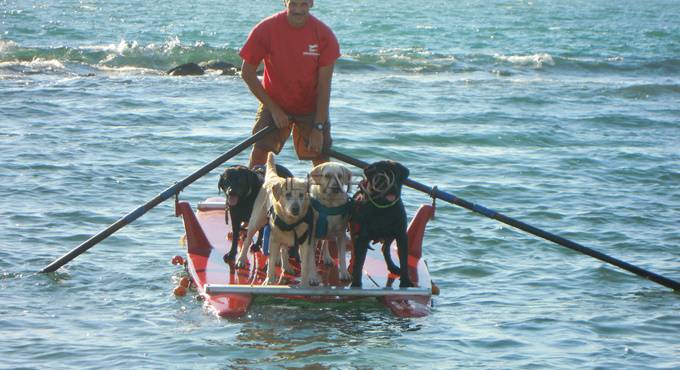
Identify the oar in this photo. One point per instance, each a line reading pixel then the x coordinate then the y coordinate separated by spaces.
pixel 521 225
pixel 169 192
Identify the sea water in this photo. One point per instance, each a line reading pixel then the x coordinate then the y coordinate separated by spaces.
pixel 562 114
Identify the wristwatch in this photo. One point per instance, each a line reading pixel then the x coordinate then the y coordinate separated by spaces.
pixel 318 126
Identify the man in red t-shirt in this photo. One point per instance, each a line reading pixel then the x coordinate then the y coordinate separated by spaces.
pixel 299 52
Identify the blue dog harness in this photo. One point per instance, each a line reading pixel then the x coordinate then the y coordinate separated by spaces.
pixel 321 228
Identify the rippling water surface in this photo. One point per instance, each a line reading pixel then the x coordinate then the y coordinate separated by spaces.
pixel 565 115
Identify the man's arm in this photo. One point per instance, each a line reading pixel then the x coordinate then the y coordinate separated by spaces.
pixel 323 93
pixel 249 75
pixel 323 98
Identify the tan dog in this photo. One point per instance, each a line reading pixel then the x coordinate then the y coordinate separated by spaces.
pixel 331 205
pixel 284 203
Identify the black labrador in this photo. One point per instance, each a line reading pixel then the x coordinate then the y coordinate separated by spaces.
pixel 378 214
pixel 241 185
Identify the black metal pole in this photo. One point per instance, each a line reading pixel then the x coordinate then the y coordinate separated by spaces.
pixel 672 284
pixel 167 193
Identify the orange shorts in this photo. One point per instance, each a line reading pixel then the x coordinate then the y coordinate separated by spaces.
pixel 301 128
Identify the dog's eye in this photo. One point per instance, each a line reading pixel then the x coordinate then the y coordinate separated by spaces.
pixel 289 195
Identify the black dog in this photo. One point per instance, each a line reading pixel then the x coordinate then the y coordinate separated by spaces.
pixel 241 185
pixel 378 214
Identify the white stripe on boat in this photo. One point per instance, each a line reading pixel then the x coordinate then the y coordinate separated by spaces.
pixel 211 206
pixel 315 291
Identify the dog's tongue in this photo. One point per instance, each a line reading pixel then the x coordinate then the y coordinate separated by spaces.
pixel 233 200
pixel 390 197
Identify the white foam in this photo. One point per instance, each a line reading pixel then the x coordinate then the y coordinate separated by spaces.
pixel 535 59
pixel 173 43
pixel 118 48
pixel 129 70
pixel 125 46
pixel 37 64
pixel 7 46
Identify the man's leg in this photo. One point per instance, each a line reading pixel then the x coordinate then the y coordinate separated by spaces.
pixel 301 131
pixel 273 142
pixel 257 157
pixel 317 161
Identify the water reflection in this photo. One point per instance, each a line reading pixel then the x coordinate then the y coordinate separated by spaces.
pixel 303 334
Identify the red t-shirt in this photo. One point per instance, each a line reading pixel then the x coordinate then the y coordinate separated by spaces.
pixel 292 57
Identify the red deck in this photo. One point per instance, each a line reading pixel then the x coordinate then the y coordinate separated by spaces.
pixel 206 240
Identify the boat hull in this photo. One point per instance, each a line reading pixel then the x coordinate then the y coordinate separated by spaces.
pixel 207 240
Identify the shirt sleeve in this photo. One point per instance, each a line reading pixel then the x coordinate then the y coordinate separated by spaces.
pixel 256 46
pixel 329 48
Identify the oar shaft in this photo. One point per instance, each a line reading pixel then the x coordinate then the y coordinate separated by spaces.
pixel 521 225
pixel 163 196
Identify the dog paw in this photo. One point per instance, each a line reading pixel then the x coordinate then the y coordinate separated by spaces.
pixel 314 279
pixel 327 258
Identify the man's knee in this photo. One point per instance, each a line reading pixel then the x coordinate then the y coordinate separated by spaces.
pixel 319 160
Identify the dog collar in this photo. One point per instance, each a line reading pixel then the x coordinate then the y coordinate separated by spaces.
pixel 377 205
pixel 321 227
pixel 364 190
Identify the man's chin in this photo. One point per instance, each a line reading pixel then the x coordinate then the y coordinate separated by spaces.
pixel 297 17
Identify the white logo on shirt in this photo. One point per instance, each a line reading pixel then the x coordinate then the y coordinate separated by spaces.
pixel 313 50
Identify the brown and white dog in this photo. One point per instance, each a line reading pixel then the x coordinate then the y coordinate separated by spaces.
pixel 331 204
pixel 284 204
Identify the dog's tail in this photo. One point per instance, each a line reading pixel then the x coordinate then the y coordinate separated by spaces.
pixel 270 173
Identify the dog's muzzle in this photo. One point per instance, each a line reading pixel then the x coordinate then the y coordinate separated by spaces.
pixel 232 198
pixel 295 209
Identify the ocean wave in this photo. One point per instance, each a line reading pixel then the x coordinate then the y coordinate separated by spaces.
pixel 643 91
pixel 134 57
pixel 7 46
pixel 36 65
pixel 406 59
pixel 123 56
pixel 129 70
pixel 535 60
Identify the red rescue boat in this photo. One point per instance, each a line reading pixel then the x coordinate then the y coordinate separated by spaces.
pixel 229 291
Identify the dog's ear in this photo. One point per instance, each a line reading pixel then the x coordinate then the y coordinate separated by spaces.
pixel 277 190
pixel 371 168
pixel 346 174
pixel 401 171
pixel 222 183
pixel 314 174
pixel 347 177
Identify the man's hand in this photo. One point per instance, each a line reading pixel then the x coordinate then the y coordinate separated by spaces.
pixel 315 141
pixel 280 117
pixel 249 75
